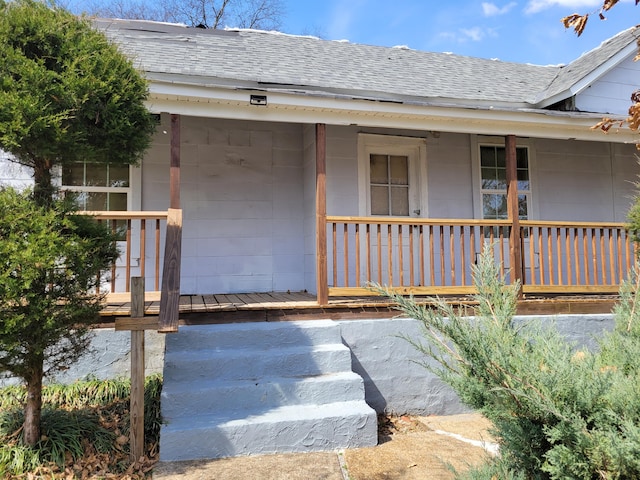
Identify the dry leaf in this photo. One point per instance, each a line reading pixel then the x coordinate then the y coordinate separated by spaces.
pixel 575 21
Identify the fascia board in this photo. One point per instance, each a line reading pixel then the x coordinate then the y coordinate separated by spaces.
pixel 234 104
pixel 592 77
pixel 198 87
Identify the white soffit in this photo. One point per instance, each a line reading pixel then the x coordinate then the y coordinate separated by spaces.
pixel 228 103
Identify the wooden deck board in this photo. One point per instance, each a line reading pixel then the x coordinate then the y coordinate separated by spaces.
pixel 197 304
pixel 299 305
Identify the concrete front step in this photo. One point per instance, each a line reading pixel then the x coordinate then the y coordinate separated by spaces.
pixel 185 398
pixel 254 335
pixel 300 428
pixel 246 364
pixel 243 389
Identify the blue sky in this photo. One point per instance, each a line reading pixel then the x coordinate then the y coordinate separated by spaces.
pixel 526 31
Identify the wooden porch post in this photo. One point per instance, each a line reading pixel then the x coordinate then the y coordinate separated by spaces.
pixel 515 250
pixel 170 293
pixel 322 282
pixel 136 403
pixel 174 172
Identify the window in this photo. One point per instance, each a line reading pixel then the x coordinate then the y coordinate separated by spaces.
pixel 390 173
pixel 97 186
pixel 493 189
pixel 389 178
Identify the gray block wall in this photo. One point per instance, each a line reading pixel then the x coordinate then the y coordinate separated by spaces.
pixel 394 379
pixel 108 357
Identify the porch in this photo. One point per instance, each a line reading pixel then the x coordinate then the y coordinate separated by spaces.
pixel 563 267
pixel 290 306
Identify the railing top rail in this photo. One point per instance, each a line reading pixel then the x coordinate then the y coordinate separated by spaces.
pixel 458 221
pixel 415 221
pixel 567 224
pixel 124 215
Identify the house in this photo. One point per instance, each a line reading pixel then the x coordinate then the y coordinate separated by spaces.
pixel 301 164
pixel 316 165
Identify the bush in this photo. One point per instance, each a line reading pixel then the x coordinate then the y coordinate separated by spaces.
pixel 84 426
pixel 558 411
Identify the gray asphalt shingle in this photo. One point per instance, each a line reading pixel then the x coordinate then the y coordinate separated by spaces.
pixel 268 59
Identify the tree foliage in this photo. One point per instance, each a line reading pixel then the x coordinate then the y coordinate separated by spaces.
pixel 258 14
pixel 50 259
pixel 559 411
pixel 66 93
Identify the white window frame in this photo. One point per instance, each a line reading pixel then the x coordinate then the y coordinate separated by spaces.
pixel 414 148
pixel 133 191
pixel 478 141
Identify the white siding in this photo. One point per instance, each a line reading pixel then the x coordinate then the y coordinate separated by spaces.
pixel 13 174
pixel 242 200
pixel 611 94
pixel 584 181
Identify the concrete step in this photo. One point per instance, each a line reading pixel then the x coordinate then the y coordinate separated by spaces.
pixel 184 398
pixel 254 335
pixel 284 429
pixel 252 388
pixel 246 364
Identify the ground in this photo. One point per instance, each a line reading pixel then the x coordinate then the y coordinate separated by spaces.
pixel 409 448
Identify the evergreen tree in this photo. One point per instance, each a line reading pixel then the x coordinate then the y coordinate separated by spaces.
pixel 50 259
pixel 66 94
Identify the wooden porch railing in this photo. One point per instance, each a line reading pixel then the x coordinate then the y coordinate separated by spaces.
pixel 434 256
pixel 141 230
pixel 575 257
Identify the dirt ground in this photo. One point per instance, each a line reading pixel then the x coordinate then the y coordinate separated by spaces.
pixel 411 448
pixel 420 448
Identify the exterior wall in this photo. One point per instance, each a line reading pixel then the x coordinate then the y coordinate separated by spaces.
pixel 12 174
pixel 109 357
pixel 242 196
pixel 584 181
pixel 611 93
pixel 395 383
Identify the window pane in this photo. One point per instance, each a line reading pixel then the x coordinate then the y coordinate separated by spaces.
pixel 489 173
pixel 118 175
pixel 79 199
pixel 73 174
pixel 96 201
pixel 379 200
pixel 399 170
pixel 400 201
pixel 379 170
pixel 522 207
pixel 487 156
pixel 521 158
pixel 117 201
pixel 501 157
pixel 494 206
pixel 96 175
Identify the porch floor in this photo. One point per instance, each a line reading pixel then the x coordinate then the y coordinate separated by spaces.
pixel 277 306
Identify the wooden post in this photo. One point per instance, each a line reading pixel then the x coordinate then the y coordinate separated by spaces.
pixel 170 293
pixel 513 211
pixel 174 173
pixel 322 281
pixel 136 409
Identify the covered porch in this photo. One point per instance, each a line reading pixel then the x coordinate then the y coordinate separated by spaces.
pixel 418 256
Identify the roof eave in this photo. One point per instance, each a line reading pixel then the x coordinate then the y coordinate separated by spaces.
pixel 583 83
pixel 234 103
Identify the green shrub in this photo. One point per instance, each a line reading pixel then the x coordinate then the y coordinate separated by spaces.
pixel 85 414
pixel 558 411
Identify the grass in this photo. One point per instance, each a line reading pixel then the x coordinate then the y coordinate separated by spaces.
pixel 85 429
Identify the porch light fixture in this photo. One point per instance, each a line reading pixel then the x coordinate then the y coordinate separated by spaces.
pixel 260 100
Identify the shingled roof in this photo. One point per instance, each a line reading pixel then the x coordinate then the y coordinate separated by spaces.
pixel 302 64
